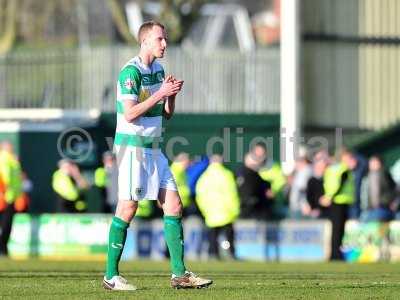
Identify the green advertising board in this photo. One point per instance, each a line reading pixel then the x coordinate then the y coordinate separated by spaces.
pixel 366 242
pixel 394 240
pixel 60 236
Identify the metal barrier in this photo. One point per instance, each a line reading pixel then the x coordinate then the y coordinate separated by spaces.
pixel 225 81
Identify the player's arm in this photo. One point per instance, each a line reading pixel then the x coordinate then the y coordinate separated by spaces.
pixel 133 109
pixel 169 105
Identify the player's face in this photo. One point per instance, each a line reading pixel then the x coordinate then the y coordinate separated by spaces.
pixel 157 40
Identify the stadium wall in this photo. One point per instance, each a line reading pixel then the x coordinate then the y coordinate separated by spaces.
pixel 350 56
pixel 36 144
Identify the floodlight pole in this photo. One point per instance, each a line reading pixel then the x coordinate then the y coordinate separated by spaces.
pixel 290 95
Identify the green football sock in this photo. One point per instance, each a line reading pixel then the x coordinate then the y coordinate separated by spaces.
pixel 173 233
pixel 116 242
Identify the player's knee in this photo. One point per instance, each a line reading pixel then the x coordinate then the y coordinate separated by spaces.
pixel 176 209
pixel 126 210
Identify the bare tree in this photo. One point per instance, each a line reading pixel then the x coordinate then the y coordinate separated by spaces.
pixel 34 17
pixel 120 20
pixel 177 15
pixel 9 23
pixel 68 21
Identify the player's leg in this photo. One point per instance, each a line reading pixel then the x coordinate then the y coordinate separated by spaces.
pixel 173 230
pixel 172 207
pixel 125 212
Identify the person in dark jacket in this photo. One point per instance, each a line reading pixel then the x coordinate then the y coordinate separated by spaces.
pixel 255 193
pixel 359 173
pixel 378 192
pixel 315 190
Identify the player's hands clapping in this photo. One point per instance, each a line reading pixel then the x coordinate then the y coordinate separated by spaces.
pixel 176 81
pixel 170 86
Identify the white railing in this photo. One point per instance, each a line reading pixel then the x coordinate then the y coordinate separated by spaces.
pixel 225 81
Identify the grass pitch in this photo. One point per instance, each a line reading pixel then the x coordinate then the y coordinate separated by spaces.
pixel 38 279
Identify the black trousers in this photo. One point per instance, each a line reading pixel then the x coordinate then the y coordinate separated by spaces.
pixel 338 216
pixel 213 235
pixel 6 223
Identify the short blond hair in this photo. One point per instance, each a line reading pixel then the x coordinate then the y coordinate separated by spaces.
pixel 146 27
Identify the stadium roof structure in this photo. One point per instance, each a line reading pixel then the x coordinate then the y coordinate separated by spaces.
pixel 220 25
pixel 384 142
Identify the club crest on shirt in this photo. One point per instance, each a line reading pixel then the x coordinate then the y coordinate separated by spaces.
pixel 129 84
pixel 139 191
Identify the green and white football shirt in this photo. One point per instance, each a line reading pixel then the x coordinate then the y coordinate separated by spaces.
pixel 137 82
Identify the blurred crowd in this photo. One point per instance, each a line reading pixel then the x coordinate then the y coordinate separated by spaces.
pixel 317 184
pixel 336 188
pixel 340 187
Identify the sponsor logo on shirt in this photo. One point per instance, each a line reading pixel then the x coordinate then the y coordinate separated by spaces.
pixel 145 80
pixel 160 76
pixel 144 94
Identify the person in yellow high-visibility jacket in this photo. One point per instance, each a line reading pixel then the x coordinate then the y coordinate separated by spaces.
pixel 3 203
pixel 145 209
pixel 68 184
pixel 218 200
pixel 339 188
pixel 272 173
pixel 11 176
pixel 178 170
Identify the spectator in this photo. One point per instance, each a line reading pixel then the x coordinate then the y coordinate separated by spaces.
pixel 178 170
pixel 271 172
pixel 359 173
pixel 218 201
pixel 145 210
pixel 255 193
pixel 193 173
pixel 11 181
pixel 315 190
pixel 106 180
pixel 339 194
pixel 378 192
pixel 297 195
pixel 22 202
pixel 69 185
pixel 395 172
pixel 3 203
